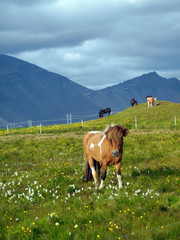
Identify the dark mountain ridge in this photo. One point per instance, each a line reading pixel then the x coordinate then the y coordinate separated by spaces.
pixel 28 92
pixel 147 84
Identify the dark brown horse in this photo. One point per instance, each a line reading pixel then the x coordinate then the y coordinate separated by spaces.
pixel 133 102
pixel 102 149
pixel 104 111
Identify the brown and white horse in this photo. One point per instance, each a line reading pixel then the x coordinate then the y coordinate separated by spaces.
pixel 150 101
pixel 102 149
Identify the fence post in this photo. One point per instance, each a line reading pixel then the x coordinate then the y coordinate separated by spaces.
pixel 29 123
pixel 70 119
pixel 67 119
pixel 40 129
pixel 135 122
pixel 7 129
pixel 174 120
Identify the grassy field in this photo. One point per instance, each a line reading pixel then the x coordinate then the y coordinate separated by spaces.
pixel 43 196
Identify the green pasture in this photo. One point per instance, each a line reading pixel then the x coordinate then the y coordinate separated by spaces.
pixel 43 196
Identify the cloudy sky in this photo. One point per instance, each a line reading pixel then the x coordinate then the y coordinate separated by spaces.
pixel 96 43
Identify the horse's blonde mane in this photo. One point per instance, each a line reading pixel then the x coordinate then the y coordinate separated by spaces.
pixel 107 128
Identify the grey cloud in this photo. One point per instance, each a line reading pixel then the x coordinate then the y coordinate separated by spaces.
pixel 95 43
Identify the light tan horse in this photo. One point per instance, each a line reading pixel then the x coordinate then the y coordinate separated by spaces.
pixel 150 101
pixel 102 149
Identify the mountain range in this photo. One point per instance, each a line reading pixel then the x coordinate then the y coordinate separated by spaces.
pixel 28 92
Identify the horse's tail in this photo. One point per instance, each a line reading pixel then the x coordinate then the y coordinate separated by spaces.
pixel 87 171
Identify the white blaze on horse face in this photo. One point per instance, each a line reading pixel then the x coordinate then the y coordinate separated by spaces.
pixel 100 143
pixel 119 180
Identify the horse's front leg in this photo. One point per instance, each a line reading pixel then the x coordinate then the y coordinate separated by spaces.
pixel 118 172
pixel 103 177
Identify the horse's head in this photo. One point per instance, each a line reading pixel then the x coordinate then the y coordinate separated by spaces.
pixel 115 134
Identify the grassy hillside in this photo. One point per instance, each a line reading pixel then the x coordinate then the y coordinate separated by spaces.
pixel 43 196
pixel 159 117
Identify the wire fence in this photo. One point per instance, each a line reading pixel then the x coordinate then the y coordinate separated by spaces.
pixel 68 118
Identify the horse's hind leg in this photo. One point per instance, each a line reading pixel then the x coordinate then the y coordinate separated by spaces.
pixel 92 164
pixel 95 176
pixel 98 168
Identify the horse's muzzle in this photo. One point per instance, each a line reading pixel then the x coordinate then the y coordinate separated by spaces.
pixel 115 153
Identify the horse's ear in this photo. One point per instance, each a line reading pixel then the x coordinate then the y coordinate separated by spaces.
pixel 125 131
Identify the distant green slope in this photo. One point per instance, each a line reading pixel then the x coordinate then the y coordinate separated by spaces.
pixel 158 117
pixel 161 116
